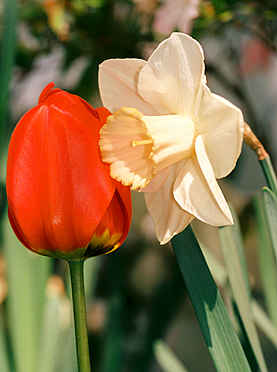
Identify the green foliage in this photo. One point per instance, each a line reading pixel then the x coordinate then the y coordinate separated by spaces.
pixel 213 319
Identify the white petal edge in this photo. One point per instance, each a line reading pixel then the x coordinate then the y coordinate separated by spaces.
pixel 118 85
pixel 171 79
pixel 169 218
pixel 221 124
pixel 197 192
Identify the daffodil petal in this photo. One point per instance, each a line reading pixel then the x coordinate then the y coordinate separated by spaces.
pixel 118 85
pixel 221 125
pixel 197 192
pixel 209 175
pixel 157 181
pixel 173 137
pixel 169 218
pixel 171 79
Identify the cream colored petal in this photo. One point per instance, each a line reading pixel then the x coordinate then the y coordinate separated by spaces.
pixel 197 192
pixel 130 165
pixel 172 136
pixel 118 85
pixel 169 218
pixel 209 175
pixel 221 125
pixel 171 80
pixel 157 181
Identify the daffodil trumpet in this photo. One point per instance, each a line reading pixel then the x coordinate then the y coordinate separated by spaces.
pixel 169 136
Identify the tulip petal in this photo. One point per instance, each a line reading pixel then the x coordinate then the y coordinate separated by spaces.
pixel 118 85
pixel 168 217
pixel 197 192
pixel 56 154
pixel 221 125
pixel 125 197
pixel 171 80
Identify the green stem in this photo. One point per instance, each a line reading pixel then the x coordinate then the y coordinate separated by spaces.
pixel 79 310
pixel 269 174
pixel 255 144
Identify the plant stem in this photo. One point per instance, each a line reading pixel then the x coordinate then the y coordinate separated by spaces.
pixel 79 310
pixel 269 174
pixel 264 159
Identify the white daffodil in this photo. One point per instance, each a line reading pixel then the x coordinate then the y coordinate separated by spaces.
pixel 169 136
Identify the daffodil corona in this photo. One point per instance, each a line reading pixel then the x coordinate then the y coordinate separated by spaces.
pixel 169 136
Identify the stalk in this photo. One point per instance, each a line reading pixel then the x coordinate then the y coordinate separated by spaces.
pixel 76 269
pixel 264 159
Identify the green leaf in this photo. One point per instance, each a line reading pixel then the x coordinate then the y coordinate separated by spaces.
pixel 215 324
pixel 6 62
pixel 67 361
pixel 217 269
pixel 269 174
pixel 167 359
pixel 235 265
pixel 264 323
pixel 112 359
pixel 267 260
pixel 27 276
pixel 270 203
pixel 4 362
pixel 92 266
pixel 57 317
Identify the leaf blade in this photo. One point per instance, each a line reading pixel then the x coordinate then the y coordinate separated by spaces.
pixel 236 267
pixel 215 324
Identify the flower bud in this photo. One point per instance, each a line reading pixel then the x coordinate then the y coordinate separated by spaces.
pixel 62 200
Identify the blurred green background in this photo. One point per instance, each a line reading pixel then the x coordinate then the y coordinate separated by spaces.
pixel 136 295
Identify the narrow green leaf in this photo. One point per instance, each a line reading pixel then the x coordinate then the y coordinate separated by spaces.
pixel 269 173
pixel 167 359
pixel 215 324
pixel 67 361
pixel 112 360
pixel 264 323
pixel 230 248
pixel 54 322
pixel 270 204
pixel 267 260
pixel 4 362
pixel 27 276
pixel 92 266
pixel 6 61
pixel 217 269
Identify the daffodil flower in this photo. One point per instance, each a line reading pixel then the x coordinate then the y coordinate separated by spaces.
pixel 169 136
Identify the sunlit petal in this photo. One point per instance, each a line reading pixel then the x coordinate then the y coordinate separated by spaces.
pixel 157 181
pixel 221 124
pixel 118 85
pixel 168 217
pixel 171 79
pixel 173 137
pixel 130 165
pixel 196 196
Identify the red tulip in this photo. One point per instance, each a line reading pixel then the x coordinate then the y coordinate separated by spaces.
pixel 62 200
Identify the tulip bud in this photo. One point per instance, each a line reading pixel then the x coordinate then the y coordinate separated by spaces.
pixel 62 201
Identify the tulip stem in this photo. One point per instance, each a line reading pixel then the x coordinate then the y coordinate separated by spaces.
pixel 76 269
